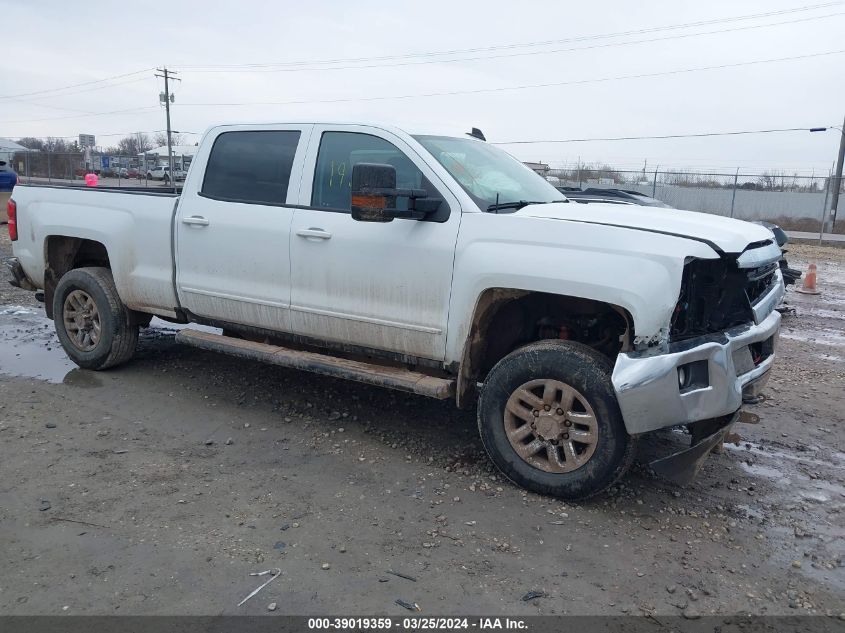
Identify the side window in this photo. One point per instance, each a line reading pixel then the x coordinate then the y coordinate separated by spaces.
pixel 340 151
pixel 250 166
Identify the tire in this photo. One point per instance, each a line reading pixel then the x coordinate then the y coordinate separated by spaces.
pixel 118 331
pixel 149 176
pixel 575 455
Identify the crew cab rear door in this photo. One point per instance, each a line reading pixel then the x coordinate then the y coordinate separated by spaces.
pixel 233 225
pixel 373 285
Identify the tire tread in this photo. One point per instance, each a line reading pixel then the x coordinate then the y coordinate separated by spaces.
pixel 586 356
pixel 125 336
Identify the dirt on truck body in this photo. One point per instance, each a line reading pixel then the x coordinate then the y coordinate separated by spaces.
pixel 110 507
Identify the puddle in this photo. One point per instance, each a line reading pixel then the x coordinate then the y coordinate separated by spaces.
pixel 837 462
pixel 827 314
pixel 832 338
pixel 764 471
pixel 16 310
pixel 29 348
pixel 35 359
pixel 813 490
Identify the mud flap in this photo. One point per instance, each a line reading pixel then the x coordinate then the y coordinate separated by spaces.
pixel 682 467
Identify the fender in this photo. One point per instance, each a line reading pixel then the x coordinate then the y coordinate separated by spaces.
pixel 637 271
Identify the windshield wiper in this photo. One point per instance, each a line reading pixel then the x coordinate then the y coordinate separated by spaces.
pixel 499 206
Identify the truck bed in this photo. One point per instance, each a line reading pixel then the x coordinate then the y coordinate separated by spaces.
pixel 135 227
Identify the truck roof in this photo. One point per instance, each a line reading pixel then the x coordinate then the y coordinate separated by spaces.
pixel 411 128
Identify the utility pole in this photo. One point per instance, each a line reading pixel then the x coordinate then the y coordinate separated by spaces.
pixel 168 99
pixel 834 201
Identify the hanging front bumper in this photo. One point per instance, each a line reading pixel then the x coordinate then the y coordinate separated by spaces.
pixel 697 379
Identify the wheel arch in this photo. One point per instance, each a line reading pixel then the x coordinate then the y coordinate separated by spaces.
pixel 505 319
pixel 64 253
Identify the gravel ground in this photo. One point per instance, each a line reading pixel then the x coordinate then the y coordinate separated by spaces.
pixel 157 487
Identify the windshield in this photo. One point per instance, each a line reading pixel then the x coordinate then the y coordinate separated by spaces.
pixel 489 175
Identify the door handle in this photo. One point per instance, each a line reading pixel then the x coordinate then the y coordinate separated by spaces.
pixel 314 233
pixel 196 220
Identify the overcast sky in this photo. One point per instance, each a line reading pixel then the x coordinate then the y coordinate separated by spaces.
pixel 53 43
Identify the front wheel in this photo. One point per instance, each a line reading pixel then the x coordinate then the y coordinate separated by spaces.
pixel 95 328
pixel 549 420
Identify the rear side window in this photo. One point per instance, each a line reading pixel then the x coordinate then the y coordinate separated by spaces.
pixel 251 167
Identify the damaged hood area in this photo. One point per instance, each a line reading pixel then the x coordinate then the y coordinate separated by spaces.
pixel 723 234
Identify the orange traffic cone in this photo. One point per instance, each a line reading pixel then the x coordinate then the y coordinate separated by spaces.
pixel 809 285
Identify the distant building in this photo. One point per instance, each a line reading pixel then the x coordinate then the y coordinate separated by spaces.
pixel 182 156
pixel 540 168
pixel 8 149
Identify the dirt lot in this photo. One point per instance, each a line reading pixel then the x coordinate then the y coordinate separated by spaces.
pixel 158 487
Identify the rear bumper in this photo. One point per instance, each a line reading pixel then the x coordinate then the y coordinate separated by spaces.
pixel 18 277
pixel 718 370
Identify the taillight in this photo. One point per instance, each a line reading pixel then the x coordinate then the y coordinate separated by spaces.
pixel 12 209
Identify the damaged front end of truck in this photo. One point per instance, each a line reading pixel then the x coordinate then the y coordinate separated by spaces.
pixel 718 352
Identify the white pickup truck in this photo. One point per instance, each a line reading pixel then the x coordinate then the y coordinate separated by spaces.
pixel 432 264
pixel 162 172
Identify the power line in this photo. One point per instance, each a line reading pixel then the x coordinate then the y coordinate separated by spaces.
pixel 84 90
pixel 463 92
pixel 48 106
pixel 657 137
pixel 84 83
pixel 520 87
pixel 81 116
pixel 450 52
pixel 527 44
pixel 100 135
pixel 517 54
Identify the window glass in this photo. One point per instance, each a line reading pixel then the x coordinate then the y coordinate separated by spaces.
pixel 251 166
pixel 487 173
pixel 340 151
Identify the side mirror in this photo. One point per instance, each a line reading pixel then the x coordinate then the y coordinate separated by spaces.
pixel 374 195
pixel 373 192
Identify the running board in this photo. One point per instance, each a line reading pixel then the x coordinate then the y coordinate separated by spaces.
pixel 368 373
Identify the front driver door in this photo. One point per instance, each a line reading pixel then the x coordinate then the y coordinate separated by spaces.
pixel 374 285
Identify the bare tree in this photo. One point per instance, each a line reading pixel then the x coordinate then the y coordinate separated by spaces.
pixel 31 143
pixel 56 145
pixel 134 144
pixel 161 139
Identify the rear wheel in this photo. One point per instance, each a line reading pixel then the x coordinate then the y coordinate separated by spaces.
pixel 94 327
pixel 549 420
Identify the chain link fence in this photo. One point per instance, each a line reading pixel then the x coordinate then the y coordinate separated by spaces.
pixel 798 203
pixel 114 170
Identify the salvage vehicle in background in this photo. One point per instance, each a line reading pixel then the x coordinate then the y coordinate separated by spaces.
pixel 619 196
pixel 435 265
pixel 623 196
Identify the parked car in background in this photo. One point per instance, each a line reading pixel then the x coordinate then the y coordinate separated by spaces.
pixel 8 180
pixel 162 172
pixel 622 196
pixel 8 177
